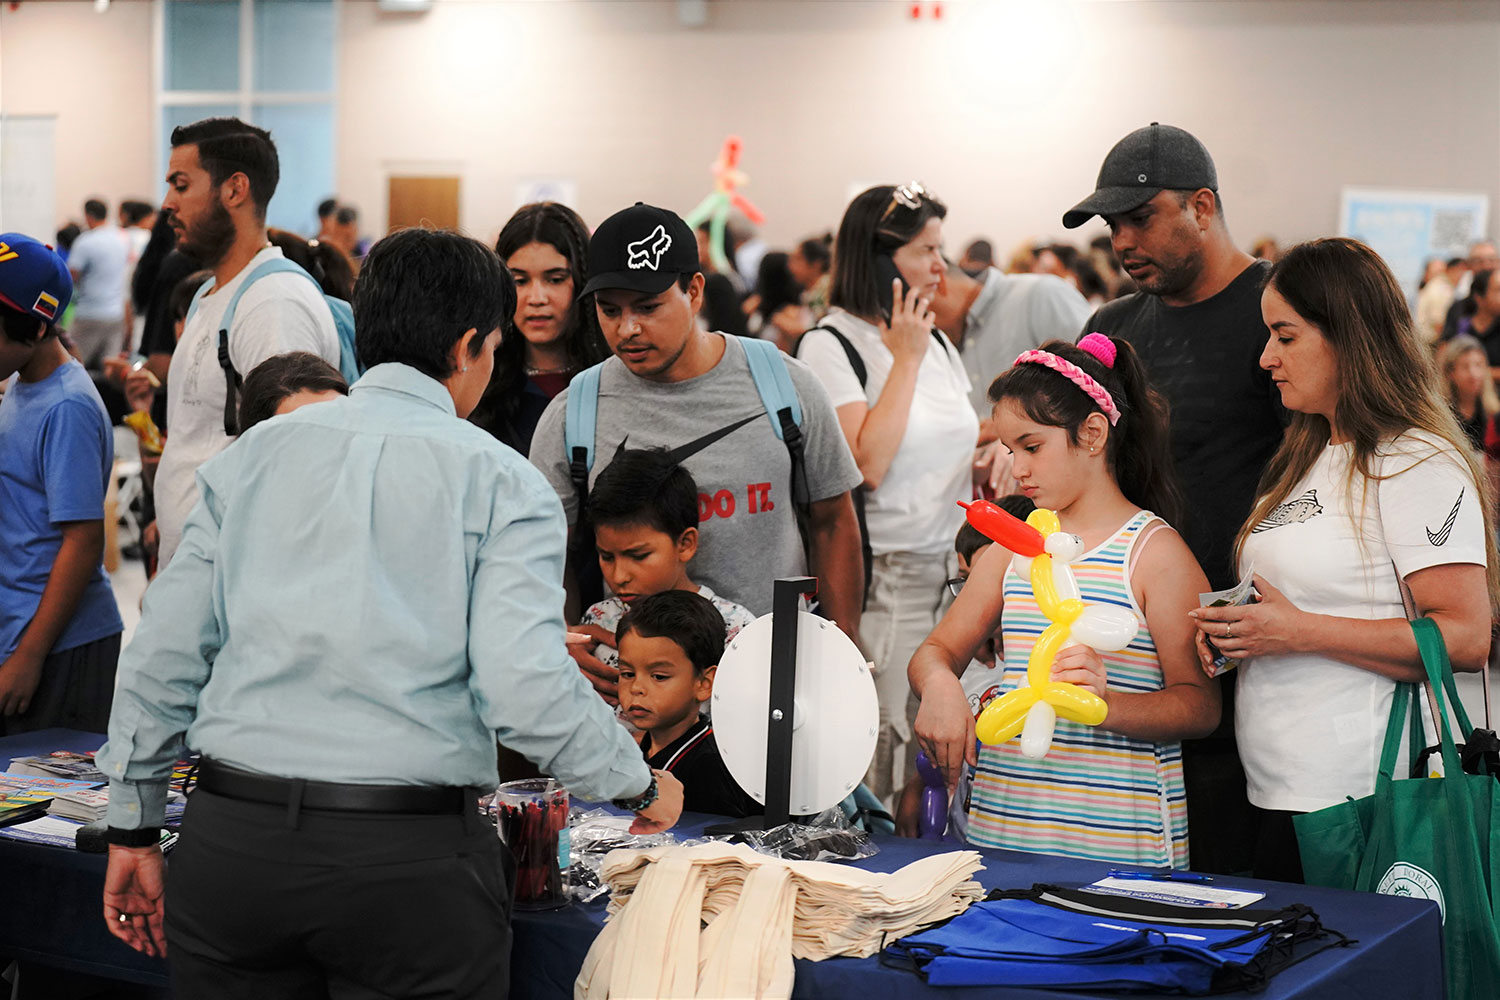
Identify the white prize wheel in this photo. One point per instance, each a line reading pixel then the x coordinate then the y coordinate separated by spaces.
pixel 835 720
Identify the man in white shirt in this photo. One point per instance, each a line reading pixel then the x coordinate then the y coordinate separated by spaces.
pixel 100 263
pixel 220 178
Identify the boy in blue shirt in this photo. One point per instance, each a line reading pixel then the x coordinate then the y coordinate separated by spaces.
pixel 59 624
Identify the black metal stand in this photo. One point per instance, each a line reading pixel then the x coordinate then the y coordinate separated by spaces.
pixel 779 712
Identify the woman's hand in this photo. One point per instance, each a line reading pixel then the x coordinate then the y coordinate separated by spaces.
pixel 945 726
pixel 1268 627
pixel 992 467
pixel 911 325
pixel 1079 664
pixel 1206 654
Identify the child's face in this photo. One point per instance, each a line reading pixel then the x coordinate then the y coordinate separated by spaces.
pixel 966 566
pixel 658 686
pixel 13 356
pixel 1052 471
pixel 637 560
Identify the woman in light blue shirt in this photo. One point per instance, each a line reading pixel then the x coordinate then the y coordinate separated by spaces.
pixel 368 594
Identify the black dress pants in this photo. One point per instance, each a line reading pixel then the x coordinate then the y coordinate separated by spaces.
pixel 267 902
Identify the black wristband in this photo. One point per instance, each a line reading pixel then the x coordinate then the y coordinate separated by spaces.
pixel 641 801
pixel 146 836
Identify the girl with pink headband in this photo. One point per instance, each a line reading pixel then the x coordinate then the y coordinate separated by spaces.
pixel 1089 440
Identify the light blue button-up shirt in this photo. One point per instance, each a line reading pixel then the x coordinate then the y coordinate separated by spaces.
pixel 369 591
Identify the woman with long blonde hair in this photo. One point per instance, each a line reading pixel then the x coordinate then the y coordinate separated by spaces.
pixel 1374 491
pixel 1471 391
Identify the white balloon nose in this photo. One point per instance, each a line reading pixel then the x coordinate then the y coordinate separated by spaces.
pixel 1036 734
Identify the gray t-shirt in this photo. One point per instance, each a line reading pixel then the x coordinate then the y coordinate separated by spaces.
pixel 747 525
pixel 1015 313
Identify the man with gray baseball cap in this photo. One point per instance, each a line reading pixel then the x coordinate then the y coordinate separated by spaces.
pixel 1196 323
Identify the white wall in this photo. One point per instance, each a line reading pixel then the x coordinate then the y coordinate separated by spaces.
pixel 1003 108
pixel 93 71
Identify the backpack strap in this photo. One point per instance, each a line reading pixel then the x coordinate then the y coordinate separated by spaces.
pixel 856 362
pixel 773 382
pixel 233 379
pixel 580 421
pixel 784 407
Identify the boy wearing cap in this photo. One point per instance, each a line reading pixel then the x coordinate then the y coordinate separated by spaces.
pixel 1196 323
pixel 670 384
pixel 59 625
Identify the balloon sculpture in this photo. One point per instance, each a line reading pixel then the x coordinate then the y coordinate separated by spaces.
pixel 726 195
pixel 1043 552
pixel 932 821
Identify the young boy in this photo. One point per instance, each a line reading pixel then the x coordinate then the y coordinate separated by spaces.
pixel 59 625
pixel 980 680
pixel 669 649
pixel 644 508
pixel 285 382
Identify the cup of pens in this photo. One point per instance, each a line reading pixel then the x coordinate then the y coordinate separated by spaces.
pixel 532 817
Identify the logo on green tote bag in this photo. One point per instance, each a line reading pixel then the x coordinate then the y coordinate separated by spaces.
pixel 1409 880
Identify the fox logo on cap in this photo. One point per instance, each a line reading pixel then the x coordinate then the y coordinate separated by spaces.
pixel 647 252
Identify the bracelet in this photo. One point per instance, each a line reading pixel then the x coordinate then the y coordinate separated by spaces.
pixel 642 801
pixel 146 836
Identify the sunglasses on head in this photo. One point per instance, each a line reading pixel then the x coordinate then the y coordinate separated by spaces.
pixel 907 196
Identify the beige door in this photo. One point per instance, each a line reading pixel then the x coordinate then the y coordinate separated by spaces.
pixel 422 201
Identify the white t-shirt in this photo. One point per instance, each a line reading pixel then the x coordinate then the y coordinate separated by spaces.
pixel 101 259
pixel 915 508
pixel 277 314
pixel 1310 729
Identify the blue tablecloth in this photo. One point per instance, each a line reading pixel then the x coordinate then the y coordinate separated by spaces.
pixel 50 913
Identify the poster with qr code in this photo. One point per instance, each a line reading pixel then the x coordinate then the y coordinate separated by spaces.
pixel 1408 227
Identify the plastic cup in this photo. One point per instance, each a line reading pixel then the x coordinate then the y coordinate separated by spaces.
pixel 531 816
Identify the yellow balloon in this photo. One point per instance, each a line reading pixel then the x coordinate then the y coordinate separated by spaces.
pixel 1044 586
pixel 1075 703
pixel 1003 718
pixel 1044 520
pixel 1039 663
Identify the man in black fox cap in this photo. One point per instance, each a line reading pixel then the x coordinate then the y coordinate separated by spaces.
pixel 673 384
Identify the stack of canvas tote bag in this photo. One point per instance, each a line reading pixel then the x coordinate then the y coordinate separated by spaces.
pixel 1433 837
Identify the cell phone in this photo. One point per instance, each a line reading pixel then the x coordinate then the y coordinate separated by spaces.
pixel 885 273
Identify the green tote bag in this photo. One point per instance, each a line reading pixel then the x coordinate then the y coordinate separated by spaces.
pixel 1434 838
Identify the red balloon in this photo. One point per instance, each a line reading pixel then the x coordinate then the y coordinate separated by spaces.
pixel 995 522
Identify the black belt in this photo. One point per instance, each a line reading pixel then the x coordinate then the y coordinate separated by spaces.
pixel 232 783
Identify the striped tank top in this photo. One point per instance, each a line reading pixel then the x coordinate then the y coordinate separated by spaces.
pixel 1097 794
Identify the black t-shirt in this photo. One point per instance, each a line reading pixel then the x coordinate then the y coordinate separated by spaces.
pixel 1474 427
pixel 1226 416
pixel 693 759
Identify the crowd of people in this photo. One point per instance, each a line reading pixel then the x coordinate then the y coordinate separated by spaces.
pixel 562 482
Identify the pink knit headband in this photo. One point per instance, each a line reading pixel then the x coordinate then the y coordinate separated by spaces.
pixel 1100 347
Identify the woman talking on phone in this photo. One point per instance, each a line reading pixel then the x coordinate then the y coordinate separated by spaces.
pixel 900 391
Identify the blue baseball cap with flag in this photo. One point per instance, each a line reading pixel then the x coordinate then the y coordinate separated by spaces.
pixel 33 278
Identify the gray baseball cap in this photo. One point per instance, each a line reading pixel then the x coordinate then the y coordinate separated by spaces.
pixel 1146 162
